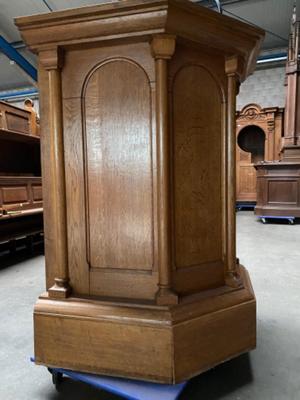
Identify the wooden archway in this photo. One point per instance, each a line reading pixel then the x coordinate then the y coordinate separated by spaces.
pixel 253 118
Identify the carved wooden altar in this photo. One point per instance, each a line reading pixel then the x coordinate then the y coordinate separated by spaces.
pixel 138 117
pixel 278 183
pixel 258 138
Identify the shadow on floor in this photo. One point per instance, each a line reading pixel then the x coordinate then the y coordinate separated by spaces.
pixel 72 390
pixel 220 381
pixel 211 385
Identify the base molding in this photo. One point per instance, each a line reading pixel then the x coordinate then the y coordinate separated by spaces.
pixel 277 211
pixel 155 343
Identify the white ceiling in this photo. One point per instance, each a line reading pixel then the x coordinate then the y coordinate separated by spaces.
pixel 272 15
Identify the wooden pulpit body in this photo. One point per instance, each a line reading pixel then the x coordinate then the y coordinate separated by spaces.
pixel 138 142
pixel 258 138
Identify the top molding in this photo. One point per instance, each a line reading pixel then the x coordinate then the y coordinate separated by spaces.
pixel 142 18
pixel 254 108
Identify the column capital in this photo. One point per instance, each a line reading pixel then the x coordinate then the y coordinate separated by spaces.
pixel 163 46
pixel 234 66
pixel 51 58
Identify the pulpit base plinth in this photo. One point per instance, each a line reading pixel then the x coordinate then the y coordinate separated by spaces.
pixel 148 342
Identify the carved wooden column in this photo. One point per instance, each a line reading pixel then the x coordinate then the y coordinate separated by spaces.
pixel 52 61
pixel 269 140
pixel 291 140
pixel 163 47
pixel 232 67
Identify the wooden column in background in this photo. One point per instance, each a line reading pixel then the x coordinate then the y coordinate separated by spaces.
pixel 163 47
pixel 232 277
pixel 51 60
pixel 291 139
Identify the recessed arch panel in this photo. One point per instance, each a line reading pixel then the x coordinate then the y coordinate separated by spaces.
pixel 118 167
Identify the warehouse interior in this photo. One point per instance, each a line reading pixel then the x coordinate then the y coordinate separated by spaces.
pixel 266 123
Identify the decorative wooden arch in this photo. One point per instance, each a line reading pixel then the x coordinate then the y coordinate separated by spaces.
pixel 270 120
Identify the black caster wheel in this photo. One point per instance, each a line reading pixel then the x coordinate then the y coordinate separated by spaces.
pixel 57 377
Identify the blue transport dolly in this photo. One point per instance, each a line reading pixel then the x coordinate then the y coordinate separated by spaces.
pixel 265 218
pixel 127 388
pixel 240 205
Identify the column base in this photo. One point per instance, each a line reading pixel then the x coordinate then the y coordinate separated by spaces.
pixel 233 279
pixel 60 290
pixel 166 297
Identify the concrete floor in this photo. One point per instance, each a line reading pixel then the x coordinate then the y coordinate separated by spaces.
pixel 272 372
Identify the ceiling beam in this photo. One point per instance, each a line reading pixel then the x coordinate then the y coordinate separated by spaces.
pixel 15 56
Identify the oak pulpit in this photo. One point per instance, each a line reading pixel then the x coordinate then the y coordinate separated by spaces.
pixel 138 142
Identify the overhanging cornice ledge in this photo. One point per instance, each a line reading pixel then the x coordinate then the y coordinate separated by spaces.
pixel 134 18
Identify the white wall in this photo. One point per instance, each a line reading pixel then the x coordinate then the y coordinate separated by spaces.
pixel 265 87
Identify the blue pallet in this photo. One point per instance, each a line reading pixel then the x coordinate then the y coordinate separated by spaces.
pixel 127 388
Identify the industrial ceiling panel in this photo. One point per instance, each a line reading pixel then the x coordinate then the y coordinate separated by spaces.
pixel 63 4
pixel 9 9
pixel 272 15
pixel 11 76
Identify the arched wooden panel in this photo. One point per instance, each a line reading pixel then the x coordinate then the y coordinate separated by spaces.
pixel 197 128
pixel 118 169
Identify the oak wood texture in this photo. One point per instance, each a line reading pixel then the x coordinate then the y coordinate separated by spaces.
pixel 20 180
pixel 279 182
pixel 159 344
pixel 15 119
pixel 270 121
pixel 138 117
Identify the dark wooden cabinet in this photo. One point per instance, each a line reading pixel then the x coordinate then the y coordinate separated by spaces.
pixel 138 121
pixel 259 134
pixel 20 173
pixel 278 189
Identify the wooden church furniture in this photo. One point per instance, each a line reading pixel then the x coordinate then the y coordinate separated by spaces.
pixel 138 140
pixel 278 189
pixel 258 138
pixel 34 120
pixel 278 183
pixel 21 204
pixel 15 119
